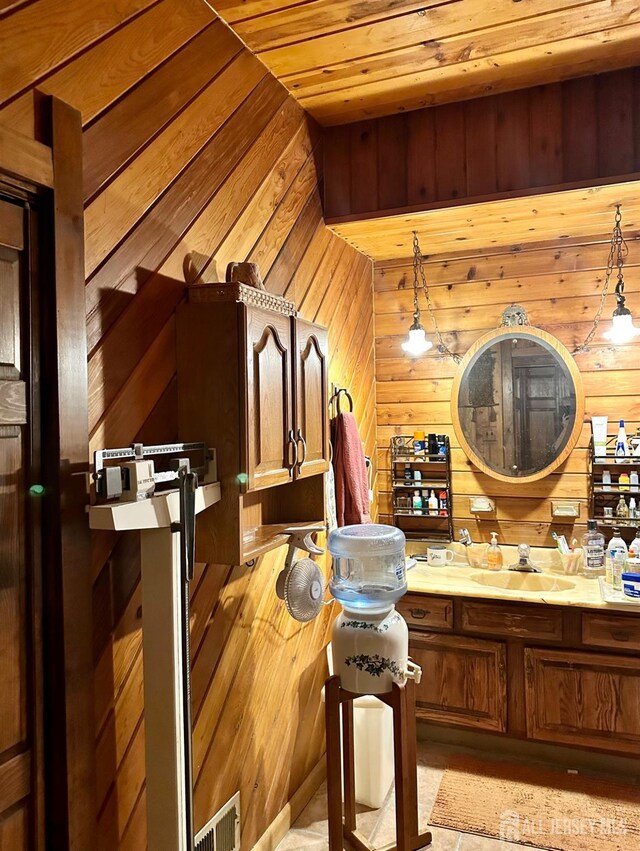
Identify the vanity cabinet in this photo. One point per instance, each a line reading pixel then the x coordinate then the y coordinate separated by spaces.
pixel 464 680
pixel 583 699
pixel 546 673
pixel 253 383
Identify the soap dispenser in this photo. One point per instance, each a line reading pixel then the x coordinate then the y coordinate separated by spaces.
pixel 494 553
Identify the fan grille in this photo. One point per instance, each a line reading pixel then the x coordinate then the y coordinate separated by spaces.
pixel 304 590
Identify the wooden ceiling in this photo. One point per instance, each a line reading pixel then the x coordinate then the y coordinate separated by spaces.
pixel 345 60
pixel 553 217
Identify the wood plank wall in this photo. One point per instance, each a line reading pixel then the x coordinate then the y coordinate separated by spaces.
pixel 191 151
pixel 560 288
pixel 574 132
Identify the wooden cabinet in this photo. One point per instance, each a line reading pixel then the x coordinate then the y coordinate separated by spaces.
pixel 584 699
pixel 269 423
pixel 582 692
pixel 252 382
pixel 463 680
pixel 312 400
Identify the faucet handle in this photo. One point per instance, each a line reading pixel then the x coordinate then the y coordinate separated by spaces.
pixel 524 551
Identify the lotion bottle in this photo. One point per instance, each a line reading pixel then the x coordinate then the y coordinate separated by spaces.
pixel 494 553
pixel 433 503
pixel 622 445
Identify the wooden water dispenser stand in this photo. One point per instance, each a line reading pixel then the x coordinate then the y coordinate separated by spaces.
pixel 341 768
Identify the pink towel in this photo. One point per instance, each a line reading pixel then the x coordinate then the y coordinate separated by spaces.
pixel 352 487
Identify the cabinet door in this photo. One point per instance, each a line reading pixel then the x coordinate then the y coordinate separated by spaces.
pixel 269 438
pixel 584 699
pixel 463 680
pixel 312 401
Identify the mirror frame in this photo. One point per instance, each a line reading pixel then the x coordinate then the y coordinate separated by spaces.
pixel 574 372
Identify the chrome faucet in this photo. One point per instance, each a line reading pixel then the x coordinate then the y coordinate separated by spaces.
pixel 524 562
pixel 465 537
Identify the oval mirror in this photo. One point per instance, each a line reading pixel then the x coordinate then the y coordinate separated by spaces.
pixel 517 404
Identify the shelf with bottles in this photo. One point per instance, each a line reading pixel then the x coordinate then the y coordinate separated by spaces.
pixel 617 521
pixel 631 458
pixel 421 505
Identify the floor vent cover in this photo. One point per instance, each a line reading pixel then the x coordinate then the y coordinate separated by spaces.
pixel 222 832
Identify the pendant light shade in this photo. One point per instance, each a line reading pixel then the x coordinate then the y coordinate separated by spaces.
pixel 416 343
pixel 622 327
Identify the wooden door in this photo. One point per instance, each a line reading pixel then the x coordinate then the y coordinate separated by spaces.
pixel 463 680
pixel 312 398
pixel 20 717
pixel 270 439
pixel 583 699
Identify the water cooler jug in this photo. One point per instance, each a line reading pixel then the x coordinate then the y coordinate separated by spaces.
pixel 370 640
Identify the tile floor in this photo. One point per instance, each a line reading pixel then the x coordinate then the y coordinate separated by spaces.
pixel 309 833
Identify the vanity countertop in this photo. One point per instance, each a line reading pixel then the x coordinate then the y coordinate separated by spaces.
pixel 458 580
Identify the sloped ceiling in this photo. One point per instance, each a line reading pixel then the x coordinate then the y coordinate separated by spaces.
pixel 346 60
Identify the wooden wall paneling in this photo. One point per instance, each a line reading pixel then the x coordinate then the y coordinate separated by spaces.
pixel 117 209
pixel 451 167
pixel 392 162
pixel 115 64
pixel 545 136
pixel 512 141
pixel 147 246
pixel 414 393
pixel 480 137
pixel 579 110
pixel 363 154
pixel 421 157
pixel 31 58
pixel 615 102
pixel 337 170
pixel 160 96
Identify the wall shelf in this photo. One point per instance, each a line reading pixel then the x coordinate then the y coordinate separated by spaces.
pixel 418 524
pixel 601 496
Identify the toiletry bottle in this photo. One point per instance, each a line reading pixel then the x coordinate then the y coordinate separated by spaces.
pixel 408 475
pixel 606 480
pixel 442 444
pixel 417 475
pixel 418 443
pixel 433 504
pixel 417 502
pixel 432 444
pixel 593 547
pixel 622 447
pixel 624 481
pixel 619 567
pixel 443 503
pixel 634 546
pixel 634 480
pixel 622 509
pixel 494 553
pixel 616 543
pixel 633 509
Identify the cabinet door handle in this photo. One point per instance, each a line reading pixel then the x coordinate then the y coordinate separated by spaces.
pixel 418 614
pixel 300 439
pixel 620 634
pixel 293 446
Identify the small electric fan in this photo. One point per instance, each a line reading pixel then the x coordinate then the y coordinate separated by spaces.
pixel 301 583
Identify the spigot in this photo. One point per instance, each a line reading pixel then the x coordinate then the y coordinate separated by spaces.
pixel 524 562
pixel 465 537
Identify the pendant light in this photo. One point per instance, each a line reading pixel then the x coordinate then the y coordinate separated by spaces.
pixel 622 328
pixel 416 343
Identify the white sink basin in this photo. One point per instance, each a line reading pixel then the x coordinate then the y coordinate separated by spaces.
pixel 515 581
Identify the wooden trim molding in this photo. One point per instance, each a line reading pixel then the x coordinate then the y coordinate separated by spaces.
pixel 71 806
pixel 554 344
pixel 50 175
pixel 25 158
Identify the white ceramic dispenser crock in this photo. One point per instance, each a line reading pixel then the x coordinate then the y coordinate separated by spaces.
pixel 370 640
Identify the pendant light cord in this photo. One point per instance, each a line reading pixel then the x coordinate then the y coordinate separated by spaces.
pixel 618 250
pixel 418 272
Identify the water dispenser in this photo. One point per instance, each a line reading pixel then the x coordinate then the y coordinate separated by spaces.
pixel 370 640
